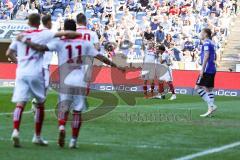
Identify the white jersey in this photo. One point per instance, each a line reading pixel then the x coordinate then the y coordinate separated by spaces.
pixel 167 62
pixel 72 55
pixel 47 57
pixel 149 56
pixel 166 58
pixel 88 35
pixel 30 62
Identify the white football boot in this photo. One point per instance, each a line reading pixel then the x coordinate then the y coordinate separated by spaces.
pixel 210 111
pixel 38 140
pixel 173 97
pixel 15 138
pixel 73 143
pixel 158 96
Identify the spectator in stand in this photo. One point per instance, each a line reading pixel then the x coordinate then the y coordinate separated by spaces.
pixel 168 42
pixel 47 7
pixel 68 12
pixel 166 24
pixel 205 11
pixel 154 24
pixel 98 8
pixel 22 13
pixel 4 16
pixel 96 28
pixel 132 5
pixel 78 7
pixel 9 5
pixel 59 4
pixel 148 34
pixel 174 10
pixel 32 9
pixel 160 35
pixel 108 9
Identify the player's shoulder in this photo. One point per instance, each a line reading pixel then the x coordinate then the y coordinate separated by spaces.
pixel 32 31
pixel 208 42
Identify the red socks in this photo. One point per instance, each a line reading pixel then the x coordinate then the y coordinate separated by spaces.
pixel 39 117
pixel 170 84
pixel 152 87
pixel 145 89
pixel 160 87
pixel 17 115
pixel 62 118
pixel 76 124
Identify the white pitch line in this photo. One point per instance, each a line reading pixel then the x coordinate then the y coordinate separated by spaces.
pixel 209 151
pixel 25 112
pixel 108 144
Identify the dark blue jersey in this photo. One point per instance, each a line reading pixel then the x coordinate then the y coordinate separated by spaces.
pixel 208 46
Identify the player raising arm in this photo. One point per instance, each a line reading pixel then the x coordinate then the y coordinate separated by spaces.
pixel 148 69
pixel 205 83
pixel 71 56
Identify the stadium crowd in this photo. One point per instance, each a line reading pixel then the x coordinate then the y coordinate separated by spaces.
pixel 121 25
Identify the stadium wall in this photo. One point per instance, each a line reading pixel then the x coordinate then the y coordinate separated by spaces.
pixel 108 79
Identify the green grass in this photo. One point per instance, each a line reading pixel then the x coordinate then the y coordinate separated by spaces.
pixel 152 129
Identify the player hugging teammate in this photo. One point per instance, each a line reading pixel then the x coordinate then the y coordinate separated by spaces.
pixel 72 47
pixel 157 64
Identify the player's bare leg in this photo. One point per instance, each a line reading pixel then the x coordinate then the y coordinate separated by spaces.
pixel 39 117
pixel 76 124
pixel 62 119
pixel 145 89
pixel 17 116
pixel 173 97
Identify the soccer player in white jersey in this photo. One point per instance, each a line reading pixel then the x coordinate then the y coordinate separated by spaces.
pixel 47 58
pixel 29 77
pixel 165 59
pixel 148 69
pixel 87 35
pixel 71 53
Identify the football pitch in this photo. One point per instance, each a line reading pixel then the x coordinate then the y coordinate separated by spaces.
pixel 152 129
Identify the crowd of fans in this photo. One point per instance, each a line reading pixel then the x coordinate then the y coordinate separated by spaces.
pixel 127 23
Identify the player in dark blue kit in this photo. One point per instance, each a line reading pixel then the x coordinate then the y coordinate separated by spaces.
pixel 205 81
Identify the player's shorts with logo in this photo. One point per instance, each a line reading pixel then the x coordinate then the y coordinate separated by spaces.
pixel 73 90
pixel 27 87
pixel 148 71
pixel 73 102
pixel 207 80
pixel 167 76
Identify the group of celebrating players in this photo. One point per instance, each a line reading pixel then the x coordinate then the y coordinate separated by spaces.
pixel 32 51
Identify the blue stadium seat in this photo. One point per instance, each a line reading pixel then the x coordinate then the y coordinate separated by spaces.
pixel 57 11
pixel 138 51
pixel 140 15
pixel 89 13
pixel 138 41
pixel 133 13
pixel 119 15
